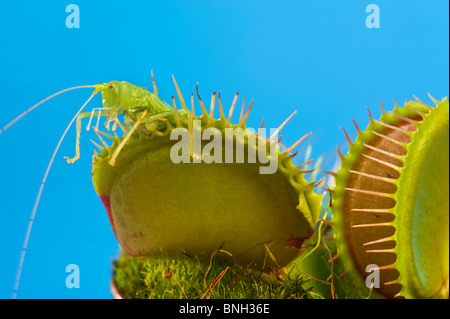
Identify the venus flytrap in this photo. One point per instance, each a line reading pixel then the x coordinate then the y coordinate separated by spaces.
pixel 391 202
pixel 160 204
pixel 225 188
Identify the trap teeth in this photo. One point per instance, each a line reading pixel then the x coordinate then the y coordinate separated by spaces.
pixel 391 191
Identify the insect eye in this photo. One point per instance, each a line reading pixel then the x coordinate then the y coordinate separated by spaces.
pixel 111 86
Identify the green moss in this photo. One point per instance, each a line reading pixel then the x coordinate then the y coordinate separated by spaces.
pixel 317 264
pixel 193 278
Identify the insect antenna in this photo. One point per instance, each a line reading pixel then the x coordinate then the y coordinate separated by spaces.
pixel 7 126
pixel 38 197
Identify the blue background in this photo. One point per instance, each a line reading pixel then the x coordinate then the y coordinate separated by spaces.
pixel 317 57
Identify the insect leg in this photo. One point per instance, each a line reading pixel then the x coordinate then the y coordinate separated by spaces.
pixel 151 118
pixel 114 127
pixel 128 122
pixel 92 116
pixel 157 116
pixel 112 160
pixel 101 112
